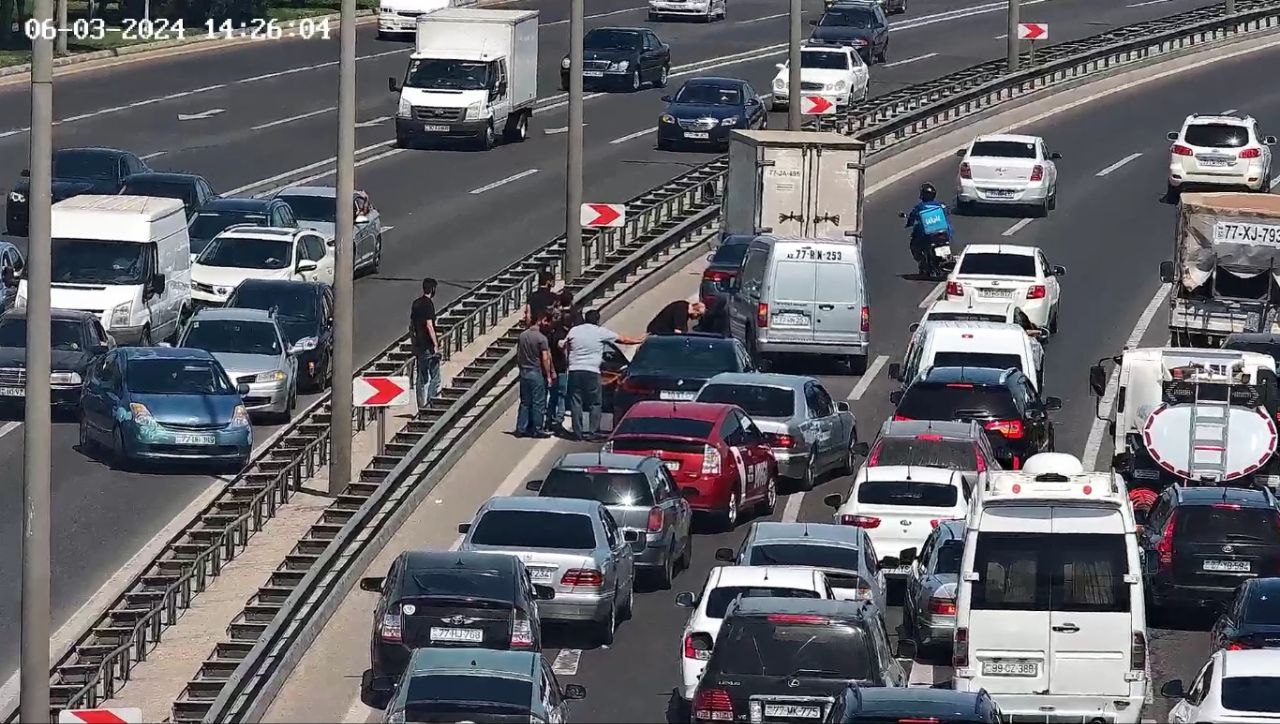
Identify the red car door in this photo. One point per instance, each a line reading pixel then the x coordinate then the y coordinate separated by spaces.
pixel 752 450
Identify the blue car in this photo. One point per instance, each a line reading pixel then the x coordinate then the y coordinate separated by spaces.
pixel 164 404
pixel 705 110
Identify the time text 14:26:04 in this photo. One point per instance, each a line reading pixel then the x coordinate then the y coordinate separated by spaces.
pixel 160 29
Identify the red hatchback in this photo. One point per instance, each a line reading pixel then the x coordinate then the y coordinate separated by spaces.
pixel 714 449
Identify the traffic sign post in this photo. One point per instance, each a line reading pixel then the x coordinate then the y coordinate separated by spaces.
pixel 816 106
pixel 381 392
pixel 1032 32
pixel 603 216
pixel 122 715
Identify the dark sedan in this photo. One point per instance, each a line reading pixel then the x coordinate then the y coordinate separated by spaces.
pixel 304 311
pixel 192 190
pixel 77 340
pixel 1251 620
pixel 76 171
pixel 621 58
pixel 862 26
pixel 706 110
pixel 674 367
pixel 722 266
pixel 220 213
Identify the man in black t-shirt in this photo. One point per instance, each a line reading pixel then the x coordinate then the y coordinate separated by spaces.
pixel 558 392
pixel 542 299
pixel 426 345
pixel 675 317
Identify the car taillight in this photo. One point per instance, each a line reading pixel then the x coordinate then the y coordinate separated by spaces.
pixel 521 631
pixel 710 460
pixel 713 705
pixel 780 440
pixel 966 171
pixel 762 315
pixel 960 649
pixel 939 521
pixel 637 388
pixel 900 418
pixel 862 592
pixel 715 275
pixel 866 319
pixel 1008 428
pixel 860 521
pixel 1181 150
pixel 588 577
pixel 697 646
pixel 874 456
pixel 980 461
pixel 1037 173
pixel 1165 547
pixel 955 289
pixel 1138 652
pixel 655 520
pixel 1251 153
pixel 1241 646
pixel 1037 291
pixel 391 627
pixel 802 618
pixel 942 606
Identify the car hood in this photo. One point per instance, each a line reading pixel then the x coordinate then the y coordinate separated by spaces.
pixel 238 365
pixel 699 110
pixel 64 360
pixel 609 54
pixel 230 276
pixel 327 229
pixel 841 33
pixel 190 409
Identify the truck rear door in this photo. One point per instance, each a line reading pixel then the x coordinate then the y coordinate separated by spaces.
pixel 839 297
pixel 835 198
pixel 792 311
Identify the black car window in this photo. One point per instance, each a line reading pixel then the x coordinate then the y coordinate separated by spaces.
pixel 908 493
pixel 800 554
pixel 824 60
pixel 925 449
pixel 680 354
pixel 314 248
pixel 1263 606
pixel 1225 522
pixel 292 303
pixel 1077 572
pixel 729 254
pixel 178 377
pixel 610 488
pixel 534 529
pixel 848 17
pixel 1251 693
pixel 85 165
pixel 312 208
pixel 1003 149
pixel 610 528
pixel 775 647
pixel 233 336
pixel 184 192
pixel 608 39
pixel 707 94
pixel 673 426
pixel 957 401
pixel 991 360
pixel 757 400
pixel 718 599
pixel 66 335
pixel 456 582
pixel 666 487
pixel 208 224
pixel 287 218
pixel 110 375
pixel 949 556
pixel 1216 135
pixel 434 696
pixel 246 253
pixel 987 264
pixel 826 407
pixel 731 430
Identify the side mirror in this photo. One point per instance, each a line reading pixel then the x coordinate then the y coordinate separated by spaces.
pixel 375 691
pixel 962 152
pixel 1055 156
pixel 99 349
pixel 1171 135
pixel 307 265
pixel 725 555
pixel 362 219
pixel 533 485
pixel 686 599
pixel 1122 461
pixel 666 99
pixel 907 556
pixel 689 492
pixel 242 389
pixel 1098 380
pixel 902 214
pixel 630 536
pixel 392 85
pixel 158 282
pixel 779 66
pixel 575 692
pixel 833 501
pixel 1059 270
pixel 913 327
pixel 1052 403
pixel 895 397
pixel 372 584
pixel 842 407
pixel 26 173
pixel 861 449
pixel 543 593
pixel 895 370
pixel 1172 689
pixel 753 102
pixel 1269 140
pixel 463 528
pixel 890 562
pixel 1166 272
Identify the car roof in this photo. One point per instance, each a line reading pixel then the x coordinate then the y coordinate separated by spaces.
pixel 1226 118
pixel 235 313
pixel 423 560
pixel 1254 337
pixel 164 176
pixel 951 429
pixel 1016 249
pixel 327 192
pixel 961 305
pixel 238 203
pixel 1013 137
pixel 762 379
pixel 736 239
pixel 619 28
pixel 783 576
pixel 1208 495
pixel 164 353
pixel 602 459
pixel 704 411
pixel 770 531
pixel 1251 662
pixel 904 473
pixel 55 313
pixel 951 327
pixel 973 375
pixel 519 664
pixel 538 503
pixel 93 150
pixel 765 605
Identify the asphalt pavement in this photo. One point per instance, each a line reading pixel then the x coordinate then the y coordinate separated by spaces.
pixel 273 125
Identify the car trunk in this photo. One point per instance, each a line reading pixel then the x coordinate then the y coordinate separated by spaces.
pixel 999 173
pixel 1223 545
pixel 445 621
pixel 682 456
pixel 658 385
pixel 839 303
pixel 996 288
pixel 907 512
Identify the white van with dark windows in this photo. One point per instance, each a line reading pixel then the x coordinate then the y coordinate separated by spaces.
pixel 1050 613
pixel 995 345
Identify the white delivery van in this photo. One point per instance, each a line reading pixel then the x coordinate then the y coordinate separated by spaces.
pixel 472 76
pixel 126 259
pixel 971 344
pixel 397 18
pixel 1050 616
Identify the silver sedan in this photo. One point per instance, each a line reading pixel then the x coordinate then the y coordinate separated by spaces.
pixel 254 350
pixel 568 544
pixel 811 435
pixel 929 601
pixel 315 208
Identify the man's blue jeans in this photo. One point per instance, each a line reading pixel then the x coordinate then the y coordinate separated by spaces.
pixel 557 399
pixel 533 402
pixel 428 382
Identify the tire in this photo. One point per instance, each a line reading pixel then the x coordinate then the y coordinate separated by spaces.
pixel 884 54
pixel 517 131
pixel 663 577
pixel 770 501
pixel 729 517
pixel 663 77
pixel 635 83
pixel 964 208
pixel 120 455
pixel 1043 209
pixel 377 256
pixel 487 139
pixel 708 17
pixel 654 17
pixel 858 364
pixel 1053 200
pixel 809 480
pixel 1053 322
pixel 850 459
pixel 664 144
pixel 401 141
pixel 87 446
pixel 17 229
pixel 145 340
pixel 606 628
pixel 1170 193
pixel 686 557
pixel 724 10
pixel 630 608
pixel 564 85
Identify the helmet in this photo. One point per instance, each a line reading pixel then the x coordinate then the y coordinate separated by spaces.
pixel 928 192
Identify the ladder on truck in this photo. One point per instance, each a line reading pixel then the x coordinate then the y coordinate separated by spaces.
pixel 1210 423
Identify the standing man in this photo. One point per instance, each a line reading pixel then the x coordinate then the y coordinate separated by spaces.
pixel 558 393
pixel 542 298
pixel 426 347
pixel 676 317
pixel 716 319
pixel 533 357
pixel 585 345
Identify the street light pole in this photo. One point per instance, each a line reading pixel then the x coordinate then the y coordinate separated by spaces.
pixel 793 68
pixel 573 168
pixel 37 458
pixel 62 27
pixel 344 311
pixel 1013 35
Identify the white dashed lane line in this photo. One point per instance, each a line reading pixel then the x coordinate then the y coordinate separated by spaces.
pixel 503 182
pixel 1118 164
pixel 1017 227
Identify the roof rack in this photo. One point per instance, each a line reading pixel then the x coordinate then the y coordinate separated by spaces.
pixel 1020 488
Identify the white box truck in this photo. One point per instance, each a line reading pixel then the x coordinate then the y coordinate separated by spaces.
pixel 795 183
pixel 473 76
pixel 398 18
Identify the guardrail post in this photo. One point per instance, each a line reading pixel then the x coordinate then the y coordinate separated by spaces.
pixel 382 429
pixel 1230 6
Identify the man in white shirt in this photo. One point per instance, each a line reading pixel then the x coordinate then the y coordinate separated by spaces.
pixel 585 348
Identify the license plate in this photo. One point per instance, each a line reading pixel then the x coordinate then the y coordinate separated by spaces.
pixel 1215 162
pixel 697 134
pixel 999 193
pixel 13 391
pixel 677 395
pixel 193 439
pixel 899 571
pixel 1010 668
pixel 542 575
pixel 1003 293
pixel 942 252
pixel 457 635
pixel 435 128
pixel 791 320
pixel 792 711
pixel 672 464
pixel 593 73
pixel 1228 566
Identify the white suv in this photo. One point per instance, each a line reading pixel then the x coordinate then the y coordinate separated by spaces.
pixel 1219 151
pixel 258 252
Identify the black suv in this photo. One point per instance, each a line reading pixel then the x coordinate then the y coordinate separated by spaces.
pixel 76 171
pixel 451 599
pixel 625 58
pixel 1251 620
pixel 914 704
pixel 1200 543
pixel 674 367
pixel 305 313
pixel 791 657
pixel 1004 402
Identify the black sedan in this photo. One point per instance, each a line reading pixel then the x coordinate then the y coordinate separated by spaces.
pixel 705 110
pixel 76 171
pixel 304 311
pixel 674 367
pixel 192 190
pixel 78 339
pixel 860 25
pixel 1252 619
pixel 621 58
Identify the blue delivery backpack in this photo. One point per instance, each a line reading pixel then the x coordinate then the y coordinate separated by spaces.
pixel 933 220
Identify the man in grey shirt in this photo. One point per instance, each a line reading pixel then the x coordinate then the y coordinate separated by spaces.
pixel 585 347
pixel 533 357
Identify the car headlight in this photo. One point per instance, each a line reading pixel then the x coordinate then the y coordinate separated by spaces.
pixel 17 197
pixel 838 85
pixel 565 63
pixel 239 417
pixel 65 378
pixel 272 376
pixel 730 121
pixel 621 66
pixel 120 314
pixel 667 118
pixel 404 110
pixel 473 111
pixel 141 415
pixel 779 83
pixel 306 344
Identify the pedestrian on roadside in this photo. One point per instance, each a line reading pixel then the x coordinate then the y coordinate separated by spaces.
pixel 533 357
pixel 716 319
pixel 676 317
pixel 542 298
pixel 426 344
pixel 558 393
pixel 585 345
pixel 571 314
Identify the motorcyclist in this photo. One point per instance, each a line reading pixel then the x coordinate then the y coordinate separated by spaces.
pixel 924 224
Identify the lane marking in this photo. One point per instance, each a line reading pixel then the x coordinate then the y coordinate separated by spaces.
pixel 1227 112
pixel 934 295
pixel 150 156
pixel 373 122
pixel 507 180
pixel 864 384
pixel 1275 182
pixel 593 17
pixel 566 663
pixel 1119 163
pixel 766 17
pixel 633 136
pixel 202 115
pixel 301 169
pixel 385 229
pixel 291 119
pixel 1147 2
pixel 1002 36
pixel 791 511
pixel 1093 445
pixel 1017 227
pixel 9 427
pixel 896 63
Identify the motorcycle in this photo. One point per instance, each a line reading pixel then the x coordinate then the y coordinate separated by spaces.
pixel 936 260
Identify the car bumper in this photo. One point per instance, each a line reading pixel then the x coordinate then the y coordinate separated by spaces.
pixel 60 396
pixel 1167 593
pixel 1252 176
pixel 979 192
pixel 1067 708
pixel 126 336
pixel 716 136
pixel 1037 310
pixel 690 673
pixel 409 129
pixel 856 349
pixel 396 25
pixel 227 446
pixel 935 630
pixel 601 79
pixel 268 397
pixel 654 554
pixel 791 465
pixel 576 607
pixel 202 298
pixel 309 367
pixel 685 9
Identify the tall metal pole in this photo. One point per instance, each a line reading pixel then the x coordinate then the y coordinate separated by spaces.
pixel 62 27
pixel 344 311
pixel 573 159
pixel 37 458
pixel 1230 6
pixel 793 70
pixel 1013 35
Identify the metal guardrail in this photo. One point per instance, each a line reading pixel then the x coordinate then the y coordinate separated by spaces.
pixel 103 657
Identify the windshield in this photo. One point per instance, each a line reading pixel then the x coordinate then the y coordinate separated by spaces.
pixel 1251 693
pixel 850 18
pixel 1003 149
pixel 65 334
pixel 247 253
pixel 534 529
pixel 178 377
pixel 209 224
pixel 673 426
pixel 610 488
pixel 1216 135
pixel 927 450
pixel 961 401
pixel 683 355
pixel 949 557
pixel 824 60
pixel 825 651
pixel 297 304
pixel 978 359
pixel 442 74
pixel 757 401
pixel 709 95
pixel 799 554
pixel 432 695
pixel 232 337
pixel 95 166
pixel 460 582
pixel 719 599
pixel 88 261
pixel 1006 265
pixel 313 208
pixel 1069 572
pixel 161 189
pixel 1215 524
pixel 908 493
pixel 601 39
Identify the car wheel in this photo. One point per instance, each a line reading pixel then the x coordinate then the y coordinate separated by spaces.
pixel 729 516
pixel 724 10
pixel 850 457
pixel 517 128
pixel 628 608
pixel 665 574
pixel 1053 200
pixel 858 364
pixel 663 76
pixel 807 482
pixel 709 16
pixel 605 629
pixel 87 446
pixel 377 255
pixel 1053 322
pixel 653 17
pixel 883 55
pixel 145 340
pixel 487 138
pixel 119 455
pixel 686 557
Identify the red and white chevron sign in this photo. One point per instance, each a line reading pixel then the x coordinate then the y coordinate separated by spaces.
pixel 816 106
pixel 381 391
pixel 100 716
pixel 1033 31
